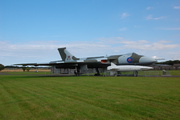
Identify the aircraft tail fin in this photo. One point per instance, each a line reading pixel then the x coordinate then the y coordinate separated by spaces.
pixel 112 64
pixel 66 55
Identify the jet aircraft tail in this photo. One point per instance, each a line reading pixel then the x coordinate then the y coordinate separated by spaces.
pixel 112 64
pixel 66 55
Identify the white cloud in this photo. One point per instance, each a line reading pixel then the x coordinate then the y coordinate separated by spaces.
pixel 124 15
pixel 123 29
pixel 149 8
pixel 47 51
pixel 150 17
pixel 177 28
pixel 148 48
pixel 176 7
pixel 147 45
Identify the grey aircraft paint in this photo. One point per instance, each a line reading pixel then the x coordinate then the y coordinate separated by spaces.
pixel 131 58
pixel 72 62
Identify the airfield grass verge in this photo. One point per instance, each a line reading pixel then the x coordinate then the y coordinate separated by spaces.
pixel 89 98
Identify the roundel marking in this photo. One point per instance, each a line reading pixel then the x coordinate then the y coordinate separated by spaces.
pixel 129 60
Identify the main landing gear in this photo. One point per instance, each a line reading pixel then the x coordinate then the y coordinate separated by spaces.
pixel 135 73
pixel 98 73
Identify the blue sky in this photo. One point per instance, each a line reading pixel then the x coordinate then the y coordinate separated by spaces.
pixel 32 30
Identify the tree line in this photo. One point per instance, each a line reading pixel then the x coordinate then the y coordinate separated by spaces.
pixel 23 68
pixel 170 62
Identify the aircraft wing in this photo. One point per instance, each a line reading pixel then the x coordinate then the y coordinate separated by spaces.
pixel 91 63
pixel 41 64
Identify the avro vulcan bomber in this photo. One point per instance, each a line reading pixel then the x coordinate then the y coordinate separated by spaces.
pixel 80 64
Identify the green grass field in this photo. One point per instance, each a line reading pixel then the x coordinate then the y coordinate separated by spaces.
pixel 31 97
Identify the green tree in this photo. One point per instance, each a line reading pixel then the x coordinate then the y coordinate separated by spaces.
pixel 23 68
pixel 28 69
pixel 1 67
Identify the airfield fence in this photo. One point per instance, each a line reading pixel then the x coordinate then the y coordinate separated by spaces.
pixel 157 73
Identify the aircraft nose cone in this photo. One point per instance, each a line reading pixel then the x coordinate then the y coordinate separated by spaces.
pixel 147 60
pixel 146 68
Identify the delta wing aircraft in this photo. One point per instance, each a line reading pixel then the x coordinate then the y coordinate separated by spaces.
pixel 80 64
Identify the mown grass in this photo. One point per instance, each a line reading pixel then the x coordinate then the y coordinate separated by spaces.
pixel 89 98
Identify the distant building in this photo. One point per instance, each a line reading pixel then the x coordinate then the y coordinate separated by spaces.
pixel 177 66
pixel 166 67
